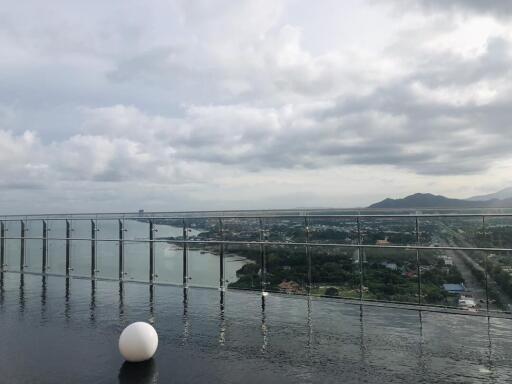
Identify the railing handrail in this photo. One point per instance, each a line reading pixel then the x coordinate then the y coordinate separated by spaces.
pixel 271 243
pixel 257 212
pixel 10 218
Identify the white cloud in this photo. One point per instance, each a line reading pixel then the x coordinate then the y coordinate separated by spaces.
pixel 240 104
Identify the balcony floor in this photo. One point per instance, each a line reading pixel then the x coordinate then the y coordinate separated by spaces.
pixel 53 334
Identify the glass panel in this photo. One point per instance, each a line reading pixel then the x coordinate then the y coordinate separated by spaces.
pixel 335 230
pixel 462 274
pixel 136 252
pixel 385 231
pixel 204 266
pixel 452 231
pixel 284 229
pixel 168 257
pixel 287 269
pixel 287 266
pixel 238 229
pixel 12 246
pixel 80 249
pixel 390 275
pixel 498 233
pixel 107 254
pixel 203 259
pixel 56 248
pixel 335 272
pixel 243 266
pixel 453 278
pixel 33 248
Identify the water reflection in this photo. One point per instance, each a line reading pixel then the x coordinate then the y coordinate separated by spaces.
pixel 138 373
pixel 92 304
pixel 43 299
pixel 151 304
pixel 222 299
pixel 264 328
pixel 121 300
pixel 222 321
pixel 185 318
pixel 309 324
pixel 362 344
pixel 43 291
pixel 2 288
pixel 22 293
pixel 67 305
pixel 421 360
pixel 490 362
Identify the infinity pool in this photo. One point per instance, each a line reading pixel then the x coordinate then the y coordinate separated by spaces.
pixel 54 330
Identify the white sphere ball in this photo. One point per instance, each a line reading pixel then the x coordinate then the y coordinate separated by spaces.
pixel 138 342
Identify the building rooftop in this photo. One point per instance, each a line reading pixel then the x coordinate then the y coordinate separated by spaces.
pixel 454 288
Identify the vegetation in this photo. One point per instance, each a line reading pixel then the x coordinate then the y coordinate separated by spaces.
pixel 388 274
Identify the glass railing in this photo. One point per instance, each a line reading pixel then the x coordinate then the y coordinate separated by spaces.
pixel 444 260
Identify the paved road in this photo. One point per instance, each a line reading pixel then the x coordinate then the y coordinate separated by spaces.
pixel 459 258
pixel 473 286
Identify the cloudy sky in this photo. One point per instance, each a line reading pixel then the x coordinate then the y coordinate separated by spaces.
pixel 221 104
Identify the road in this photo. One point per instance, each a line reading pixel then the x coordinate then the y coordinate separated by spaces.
pixel 473 286
pixel 460 258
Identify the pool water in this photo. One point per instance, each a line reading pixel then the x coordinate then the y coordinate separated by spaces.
pixel 58 330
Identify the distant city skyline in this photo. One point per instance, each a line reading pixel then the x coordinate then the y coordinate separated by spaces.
pixel 251 104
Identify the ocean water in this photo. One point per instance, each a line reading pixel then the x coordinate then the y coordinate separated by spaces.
pixel 203 265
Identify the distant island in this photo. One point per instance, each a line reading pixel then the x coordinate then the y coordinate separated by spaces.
pixel 428 200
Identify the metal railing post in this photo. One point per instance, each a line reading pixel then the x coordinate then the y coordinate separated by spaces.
pixel 45 247
pixel 93 248
pixel 121 250
pixel 68 247
pixel 2 245
pixel 263 258
pixel 308 255
pixel 221 258
pixel 486 269
pixel 152 231
pixel 360 258
pixel 185 255
pixel 22 246
pixel 418 265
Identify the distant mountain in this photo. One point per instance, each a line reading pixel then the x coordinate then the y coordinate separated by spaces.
pixel 500 195
pixel 426 200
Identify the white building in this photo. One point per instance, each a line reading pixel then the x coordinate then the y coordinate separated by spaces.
pixel 447 260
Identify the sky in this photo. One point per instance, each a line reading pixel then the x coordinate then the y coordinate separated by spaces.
pixel 109 106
